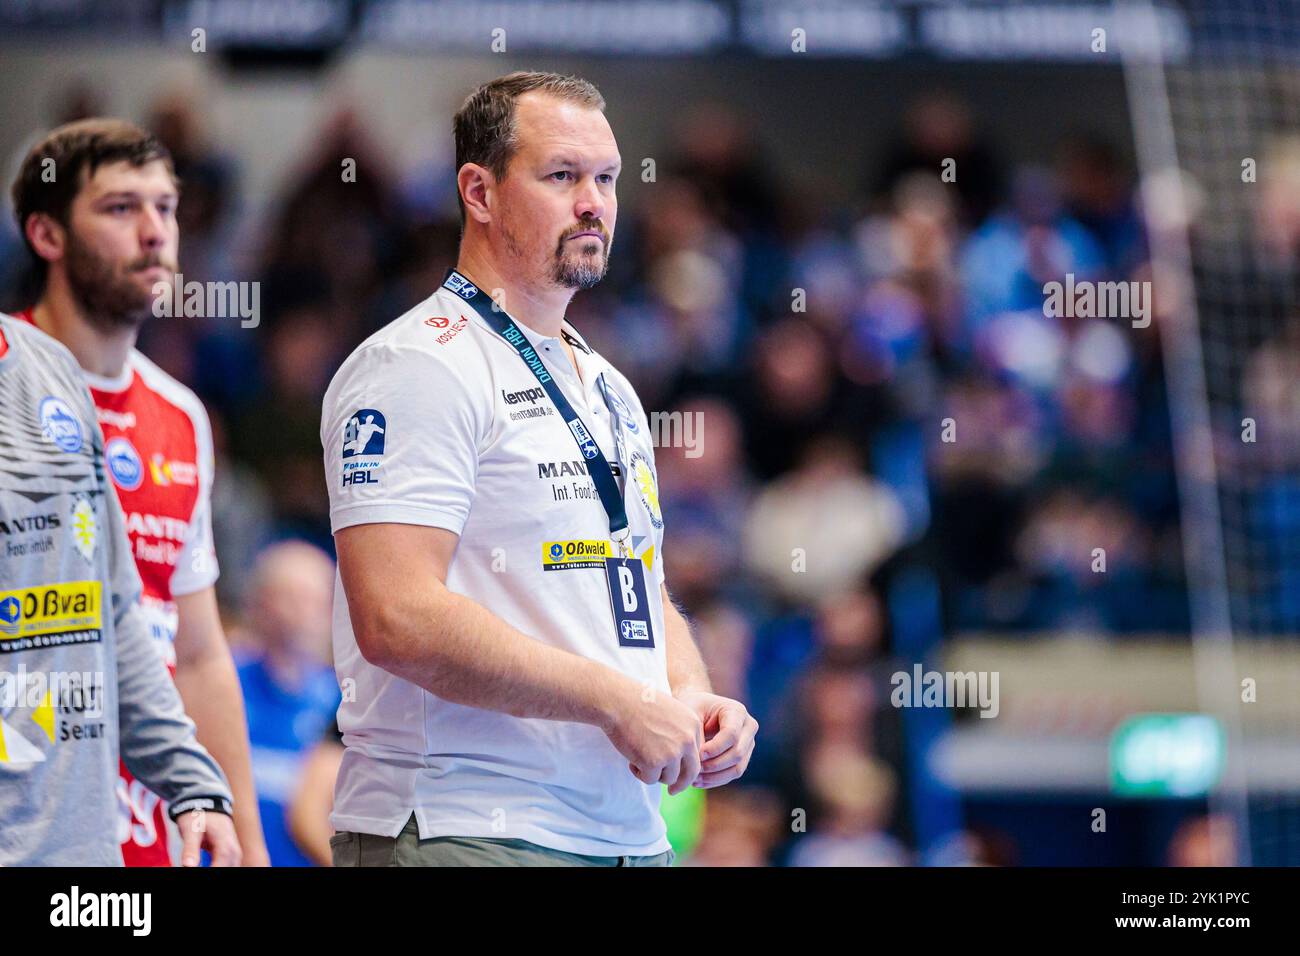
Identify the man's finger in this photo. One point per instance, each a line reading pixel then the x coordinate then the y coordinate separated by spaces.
pixel 728 758
pixel 224 849
pixel 689 771
pixel 706 781
pixel 670 772
pixel 731 723
pixel 191 840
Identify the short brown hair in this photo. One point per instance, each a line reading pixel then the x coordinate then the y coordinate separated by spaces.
pixel 77 150
pixel 484 126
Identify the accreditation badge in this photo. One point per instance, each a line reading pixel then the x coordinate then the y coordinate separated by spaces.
pixel 627 595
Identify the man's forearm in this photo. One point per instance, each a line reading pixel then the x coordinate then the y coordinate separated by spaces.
pixel 459 650
pixel 686 670
pixel 210 689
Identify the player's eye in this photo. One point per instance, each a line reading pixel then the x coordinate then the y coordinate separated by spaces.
pixel 563 172
pixel 605 178
pixel 120 207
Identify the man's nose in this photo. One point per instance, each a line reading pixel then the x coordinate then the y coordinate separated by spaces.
pixel 152 229
pixel 590 204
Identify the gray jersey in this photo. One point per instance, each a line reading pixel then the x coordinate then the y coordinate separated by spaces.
pixel 80 679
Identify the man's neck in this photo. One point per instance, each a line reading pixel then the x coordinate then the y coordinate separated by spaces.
pixel 541 307
pixel 58 314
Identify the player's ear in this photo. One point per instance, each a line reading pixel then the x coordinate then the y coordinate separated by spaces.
pixel 46 235
pixel 476 184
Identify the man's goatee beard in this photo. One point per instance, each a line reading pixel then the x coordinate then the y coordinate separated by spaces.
pixel 581 275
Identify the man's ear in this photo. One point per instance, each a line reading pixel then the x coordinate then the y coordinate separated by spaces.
pixel 476 184
pixel 47 236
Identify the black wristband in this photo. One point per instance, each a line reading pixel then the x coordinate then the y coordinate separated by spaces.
pixel 212 804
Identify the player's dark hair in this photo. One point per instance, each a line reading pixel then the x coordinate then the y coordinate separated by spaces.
pixel 484 126
pixel 57 167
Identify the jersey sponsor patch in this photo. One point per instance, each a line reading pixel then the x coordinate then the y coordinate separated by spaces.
pixel 562 555
pixel 60 425
pixel 85 528
pixel 165 472
pixel 621 409
pixel 364 433
pixel 448 329
pixel 124 463
pixel 67 613
pixel 643 477
pixel 363 443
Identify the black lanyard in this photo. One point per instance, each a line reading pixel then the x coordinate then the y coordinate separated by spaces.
pixel 597 465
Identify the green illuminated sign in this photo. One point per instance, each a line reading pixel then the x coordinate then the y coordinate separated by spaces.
pixel 1166 755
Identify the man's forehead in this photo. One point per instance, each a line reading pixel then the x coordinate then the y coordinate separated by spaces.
pixel 123 176
pixel 549 125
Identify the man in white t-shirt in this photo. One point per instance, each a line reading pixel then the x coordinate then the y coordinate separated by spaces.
pixel 516 682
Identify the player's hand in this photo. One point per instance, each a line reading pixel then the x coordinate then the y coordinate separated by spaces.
pixel 729 733
pixel 211 831
pixel 659 735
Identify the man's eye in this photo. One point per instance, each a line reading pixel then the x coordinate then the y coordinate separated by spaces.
pixel 562 173
pixel 605 177
pixel 120 207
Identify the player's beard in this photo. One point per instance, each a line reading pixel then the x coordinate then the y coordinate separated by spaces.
pixel 110 299
pixel 576 268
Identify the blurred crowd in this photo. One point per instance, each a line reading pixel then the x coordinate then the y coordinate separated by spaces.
pixel 878 393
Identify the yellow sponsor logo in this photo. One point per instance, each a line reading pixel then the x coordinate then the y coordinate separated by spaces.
pixel 52 609
pixel 558 555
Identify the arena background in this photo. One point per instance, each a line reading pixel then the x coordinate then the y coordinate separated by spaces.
pixel 903 460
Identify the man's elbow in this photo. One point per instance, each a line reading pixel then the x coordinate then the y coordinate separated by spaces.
pixel 376 636
pixel 388 634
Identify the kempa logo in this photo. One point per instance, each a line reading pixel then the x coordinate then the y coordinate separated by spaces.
pixel 210 300
pixel 529 395
pixel 1098 300
pixel 922 688
pixel 134 910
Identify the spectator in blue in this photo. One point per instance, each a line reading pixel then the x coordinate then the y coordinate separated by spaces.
pixel 288 682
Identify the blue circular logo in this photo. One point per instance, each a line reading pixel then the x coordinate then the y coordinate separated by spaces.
pixel 10 610
pixel 557 551
pixel 124 463
pixel 621 410
pixel 59 425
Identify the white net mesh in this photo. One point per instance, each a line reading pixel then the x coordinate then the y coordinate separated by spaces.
pixel 1218 134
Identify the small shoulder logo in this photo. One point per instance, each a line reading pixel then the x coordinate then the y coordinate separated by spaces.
pixel 364 433
pixel 621 409
pixel 124 463
pixel 59 425
pixel 85 529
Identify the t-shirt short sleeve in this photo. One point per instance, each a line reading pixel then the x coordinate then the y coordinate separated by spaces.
pixel 197 568
pixel 401 436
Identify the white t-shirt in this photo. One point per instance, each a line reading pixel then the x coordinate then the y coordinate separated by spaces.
pixel 436 420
